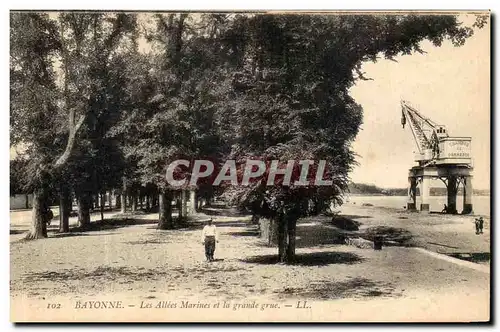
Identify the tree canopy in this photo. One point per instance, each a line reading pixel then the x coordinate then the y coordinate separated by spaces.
pixel 92 109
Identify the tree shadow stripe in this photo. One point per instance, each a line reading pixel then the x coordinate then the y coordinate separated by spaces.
pixel 310 259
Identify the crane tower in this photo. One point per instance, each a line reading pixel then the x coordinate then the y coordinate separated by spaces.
pixel 438 156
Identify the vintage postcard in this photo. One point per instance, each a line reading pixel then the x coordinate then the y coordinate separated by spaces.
pixel 250 167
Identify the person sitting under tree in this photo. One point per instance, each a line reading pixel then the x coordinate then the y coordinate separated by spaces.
pixel 47 214
pixel 209 237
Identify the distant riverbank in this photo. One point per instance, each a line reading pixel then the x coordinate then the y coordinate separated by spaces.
pixel 481 204
pixel 405 194
pixel 364 189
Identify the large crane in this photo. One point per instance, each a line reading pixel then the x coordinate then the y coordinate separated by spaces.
pixel 434 145
pixel 439 156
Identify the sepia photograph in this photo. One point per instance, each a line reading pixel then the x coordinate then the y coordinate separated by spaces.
pixel 250 166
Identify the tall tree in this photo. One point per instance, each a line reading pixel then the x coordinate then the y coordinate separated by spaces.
pixel 290 98
pixel 174 113
pixel 49 116
pixel 34 96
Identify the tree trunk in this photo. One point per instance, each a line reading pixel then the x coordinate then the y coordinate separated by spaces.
pixel 178 202
pixel 123 203
pixel 184 203
pixel 148 205
pixel 282 239
pixel 118 201
pixel 84 202
pixel 141 202
pixel 124 195
pixel 165 220
pixel 292 223
pixel 192 201
pixel 272 233
pixel 38 225
pixel 269 230
pixel 208 201
pixel 64 210
pixel 133 198
pixel 26 201
pixel 103 199
pixel 102 206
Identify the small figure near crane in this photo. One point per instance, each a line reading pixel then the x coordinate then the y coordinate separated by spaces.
pixel 438 156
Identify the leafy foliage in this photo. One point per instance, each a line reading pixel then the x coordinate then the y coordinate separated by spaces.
pixel 290 90
pixel 89 108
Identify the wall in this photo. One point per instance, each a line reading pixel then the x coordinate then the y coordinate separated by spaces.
pixel 18 202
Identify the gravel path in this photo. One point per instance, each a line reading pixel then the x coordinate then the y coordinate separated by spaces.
pixel 137 263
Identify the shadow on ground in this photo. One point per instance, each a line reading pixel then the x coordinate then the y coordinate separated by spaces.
pixel 345 223
pixel 101 272
pixel 443 245
pixel 355 216
pixel 248 232
pixel 318 235
pixel 388 233
pixel 232 224
pixel 17 231
pixel 113 223
pixel 475 257
pixel 72 234
pixel 310 259
pixel 150 241
pixel 226 212
pixel 199 224
pixel 327 289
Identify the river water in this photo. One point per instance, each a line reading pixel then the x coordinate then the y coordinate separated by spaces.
pixel 480 204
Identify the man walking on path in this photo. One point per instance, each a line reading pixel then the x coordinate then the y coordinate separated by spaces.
pixel 209 237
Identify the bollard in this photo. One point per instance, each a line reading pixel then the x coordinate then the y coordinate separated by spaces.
pixel 377 242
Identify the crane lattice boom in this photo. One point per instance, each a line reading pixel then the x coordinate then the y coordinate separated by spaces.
pixel 432 140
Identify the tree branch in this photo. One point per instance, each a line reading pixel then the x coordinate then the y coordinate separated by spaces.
pixel 361 75
pixel 73 131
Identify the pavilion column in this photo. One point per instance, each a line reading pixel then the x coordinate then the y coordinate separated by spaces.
pixel 467 195
pixel 425 193
pixel 452 194
pixel 411 205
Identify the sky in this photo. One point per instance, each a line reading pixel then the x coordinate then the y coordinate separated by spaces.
pixel 450 85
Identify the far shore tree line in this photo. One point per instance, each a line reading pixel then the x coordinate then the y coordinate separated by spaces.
pixel 371 189
pixel 104 102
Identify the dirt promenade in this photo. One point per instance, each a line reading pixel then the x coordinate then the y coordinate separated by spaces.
pixel 139 265
pixel 448 234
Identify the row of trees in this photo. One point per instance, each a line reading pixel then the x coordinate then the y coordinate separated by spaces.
pixel 93 112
